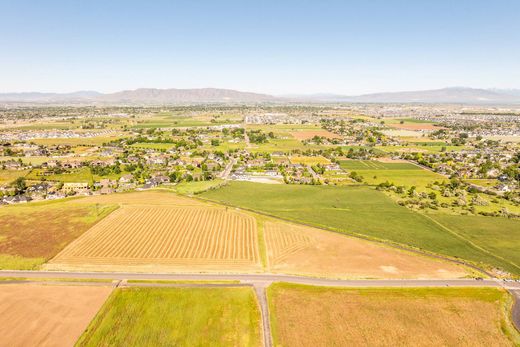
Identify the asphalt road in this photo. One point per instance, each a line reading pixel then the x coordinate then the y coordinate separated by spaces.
pixel 261 281
pixel 253 278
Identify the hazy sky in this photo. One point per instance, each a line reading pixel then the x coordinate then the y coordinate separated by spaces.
pixel 276 47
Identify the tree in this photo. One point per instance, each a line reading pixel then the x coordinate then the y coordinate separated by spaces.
pixel 19 185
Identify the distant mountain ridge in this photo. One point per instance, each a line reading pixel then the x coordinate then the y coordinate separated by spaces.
pixel 149 96
pixel 153 96
pixel 444 95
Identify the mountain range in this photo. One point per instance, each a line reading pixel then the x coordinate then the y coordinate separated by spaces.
pixel 152 96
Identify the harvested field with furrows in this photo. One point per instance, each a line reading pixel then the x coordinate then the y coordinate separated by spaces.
pixel 324 316
pixel 144 198
pixel 305 250
pixel 47 315
pixel 176 238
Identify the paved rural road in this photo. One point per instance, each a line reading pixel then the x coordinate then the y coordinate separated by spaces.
pixel 263 278
pixel 261 281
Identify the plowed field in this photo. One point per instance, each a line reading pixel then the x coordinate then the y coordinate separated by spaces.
pixel 177 237
pixel 304 250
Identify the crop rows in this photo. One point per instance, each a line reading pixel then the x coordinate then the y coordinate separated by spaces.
pixel 167 236
pixel 283 240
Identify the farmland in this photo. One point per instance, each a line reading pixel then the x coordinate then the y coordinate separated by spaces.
pixel 7 176
pixel 47 315
pixel 78 175
pixel 174 316
pixel 32 234
pixel 173 237
pixel 405 174
pixel 386 317
pixel 347 209
pixel 308 251
pixel 159 146
pixel 309 134
pixel 497 235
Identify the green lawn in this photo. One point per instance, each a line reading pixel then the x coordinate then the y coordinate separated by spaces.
pixel 176 317
pixel 356 210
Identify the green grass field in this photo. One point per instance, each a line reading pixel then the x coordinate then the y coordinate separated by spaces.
pixel 355 210
pixel 176 317
pixel 160 146
pixel 191 188
pixel 77 175
pixel 499 236
pixel 354 165
pixel 401 174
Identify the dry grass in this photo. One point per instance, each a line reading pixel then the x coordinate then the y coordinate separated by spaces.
pixel 304 250
pixel 33 233
pixel 318 316
pixel 46 315
pixel 147 198
pixel 175 237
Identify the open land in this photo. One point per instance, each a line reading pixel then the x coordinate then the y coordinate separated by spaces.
pixel 312 252
pixel 384 316
pixel 176 316
pixel 47 315
pixel 32 234
pixel 347 209
pixel 178 238
pixel 309 134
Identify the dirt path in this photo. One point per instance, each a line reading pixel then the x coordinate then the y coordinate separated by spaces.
pixel 515 312
pixel 260 290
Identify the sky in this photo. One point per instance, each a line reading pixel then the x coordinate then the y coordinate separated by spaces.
pixel 275 47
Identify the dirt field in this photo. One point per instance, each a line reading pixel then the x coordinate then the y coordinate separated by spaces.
pixel 166 237
pixel 306 135
pixel 46 315
pixel 319 316
pixel 304 250
pixel 163 198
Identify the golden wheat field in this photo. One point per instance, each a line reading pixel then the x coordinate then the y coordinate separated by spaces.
pixel 166 237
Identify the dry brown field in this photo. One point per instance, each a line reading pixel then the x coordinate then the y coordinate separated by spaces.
pixel 166 238
pixel 309 134
pixel 416 126
pixel 47 315
pixel 145 198
pixel 305 250
pixel 319 316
